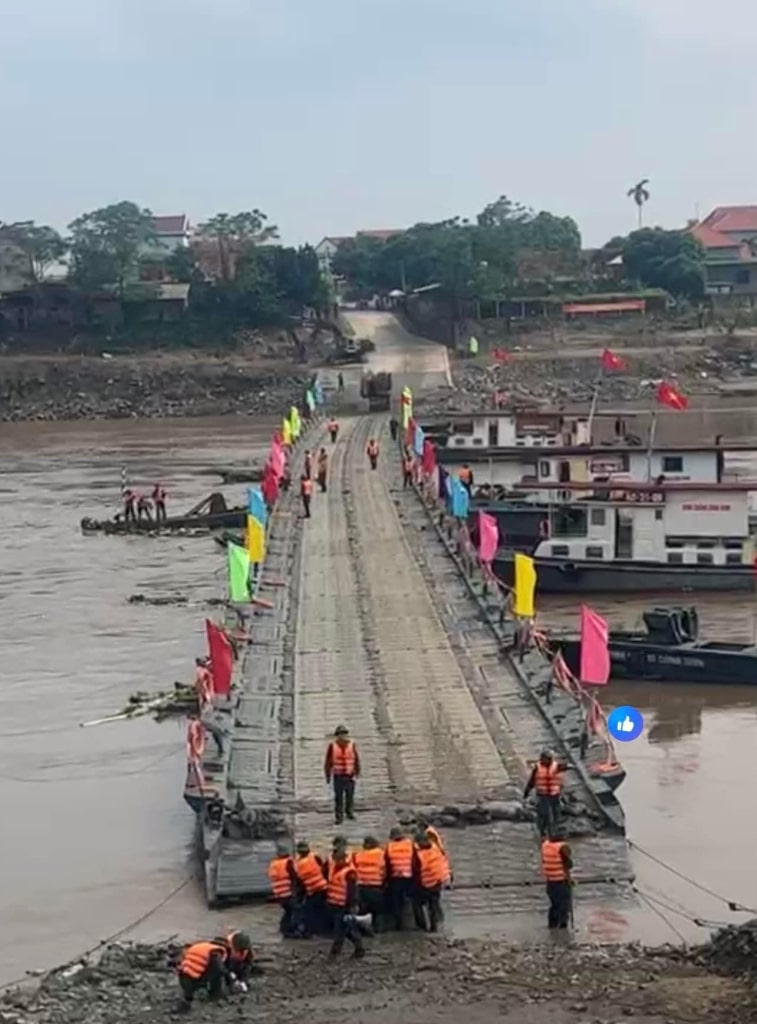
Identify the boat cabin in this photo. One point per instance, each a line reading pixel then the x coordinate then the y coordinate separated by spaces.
pixel 677 524
pixel 515 429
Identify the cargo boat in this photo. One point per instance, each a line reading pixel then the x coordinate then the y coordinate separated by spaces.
pixel 210 514
pixel 668 650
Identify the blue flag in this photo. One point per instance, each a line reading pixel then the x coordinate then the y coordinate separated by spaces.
pixel 418 441
pixel 257 505
pixel 318 392
pixel 460 499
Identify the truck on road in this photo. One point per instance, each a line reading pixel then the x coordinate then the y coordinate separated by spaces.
pixel 377 388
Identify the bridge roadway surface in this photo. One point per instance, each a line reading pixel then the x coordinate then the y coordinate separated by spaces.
pixel 388 641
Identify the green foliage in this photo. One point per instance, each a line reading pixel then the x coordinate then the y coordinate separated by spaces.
pixel 41 245
pixel 486 259
pixel 234 234
pixel 106 245
pixel 672 260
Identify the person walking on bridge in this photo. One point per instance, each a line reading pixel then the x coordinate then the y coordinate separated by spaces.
pixel 394 428
pixel 546 779
pixel 340 381
pixel 322 470
pixel 556 865
pixel 306 493
pixel 333 429
pixel 407 469
pixel 342 767
pixel 372 451
pixel 308 470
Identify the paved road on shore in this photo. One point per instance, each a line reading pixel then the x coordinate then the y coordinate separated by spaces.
pixel 413 361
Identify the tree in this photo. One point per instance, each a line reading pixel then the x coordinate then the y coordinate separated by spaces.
pixel 41 245
pixel 673 260
pixel 107 244
pixel 640 195
pixel 234 234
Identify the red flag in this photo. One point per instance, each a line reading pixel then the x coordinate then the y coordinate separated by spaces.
pixel 410 433
pixel 429 457
pixel 595 654
pixel 270 485
pixel 612 361
pixel 221 658
pixel 501 355
pixel 668 394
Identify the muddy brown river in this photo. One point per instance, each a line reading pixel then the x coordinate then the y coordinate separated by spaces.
pixel 94 829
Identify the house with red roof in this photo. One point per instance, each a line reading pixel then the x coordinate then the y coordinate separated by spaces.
pixel 729 238
pixel 327 247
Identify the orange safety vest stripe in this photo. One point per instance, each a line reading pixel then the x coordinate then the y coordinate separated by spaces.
pixel 278 874
pixel 337 890
pixel 343 759
pixel 432 866
pixel 551 861
pixel 547 781
pixel 197 957
pixel 370 866
pixel 400 854
pixel 310 874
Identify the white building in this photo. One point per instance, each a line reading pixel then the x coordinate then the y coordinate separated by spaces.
pixel 172 232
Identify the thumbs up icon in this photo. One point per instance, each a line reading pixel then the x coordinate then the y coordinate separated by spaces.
pixel 626 722
pixel 626 725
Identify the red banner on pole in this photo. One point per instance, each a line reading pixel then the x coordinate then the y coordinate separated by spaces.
pixel 221 658
pixel 595 653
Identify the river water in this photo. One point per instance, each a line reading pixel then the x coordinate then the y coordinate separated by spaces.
pixel 95 832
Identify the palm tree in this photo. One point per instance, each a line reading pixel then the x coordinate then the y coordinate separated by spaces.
pixel 640 195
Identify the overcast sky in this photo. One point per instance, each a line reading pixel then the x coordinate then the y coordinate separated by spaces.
pixel 335 115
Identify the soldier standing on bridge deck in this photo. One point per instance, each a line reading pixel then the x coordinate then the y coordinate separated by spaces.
pixel 372 451
pixel 394 428
pixel 556 865
pixel 322 469
pixel 342 766
pixel 333 429
pixel 306 493
pixel 546 779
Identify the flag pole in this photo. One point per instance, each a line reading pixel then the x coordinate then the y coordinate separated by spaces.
pixel 594 400
pixel 650 446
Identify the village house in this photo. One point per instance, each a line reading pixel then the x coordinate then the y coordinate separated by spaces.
pixel 729 238
pixel 327 247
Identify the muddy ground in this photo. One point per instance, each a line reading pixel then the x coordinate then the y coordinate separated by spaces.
pixel 566 372
pixel 413 979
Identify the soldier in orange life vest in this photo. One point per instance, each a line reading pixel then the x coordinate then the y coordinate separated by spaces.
pixel 407 468
pixel 556 865
pixel 546 779
pixel 398 857
pixel 465 475
pixel 372 451
pixel 284 882
pixel 342 766
pixel 312 885
pixel 429 871
pixel 341 899
pixel 159 500
pixel 370 864
pixel 333 429
pixel 323 469
pixel 426 827
pixel 129 498
pixel 202 965
pixel 308 464
pixel 238 966
pixel 306 493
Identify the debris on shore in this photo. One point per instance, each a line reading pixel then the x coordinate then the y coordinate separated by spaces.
pixel 489 982
pixel 181 700
pixel 733 949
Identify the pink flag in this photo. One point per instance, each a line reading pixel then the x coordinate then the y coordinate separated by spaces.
pixel 488 537
pixel 595 654
pixel 277 458
pixel 429 457
pixel 270 486
pixel 221 658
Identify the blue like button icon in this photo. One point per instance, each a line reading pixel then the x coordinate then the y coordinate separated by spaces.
pixel 625 724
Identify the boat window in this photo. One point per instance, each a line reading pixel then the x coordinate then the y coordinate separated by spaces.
pixel 529 470
pixel 733 558
pixel 594 551
pixel 733 544
pixel 569 522
pixel 544 468
pixel 671 542
pixel 675 557
pixel 463 427
pixel 478 440
pixel 705 545
pixel 704 558
pixel 672 464
pixel 560 550
pixel 598 517
pixel 658 514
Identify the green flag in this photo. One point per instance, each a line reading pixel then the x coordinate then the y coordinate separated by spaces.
pixel 310 400
pixel 239 574
pixel 473 346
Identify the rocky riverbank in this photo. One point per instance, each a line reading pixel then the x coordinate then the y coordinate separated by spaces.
pixel 566 374
pixel 416 979
pixel 155 386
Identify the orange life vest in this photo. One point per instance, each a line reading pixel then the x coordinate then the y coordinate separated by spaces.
pixel 370 866
pixel 437 840
pixel 306 487
pixel 310 873
pixel 407 464
pixel 551 861
pixel 331 864
pixel 432 864
pixel 278 875
pixel 343 759
pixel 196 958
pixel 204 684
pixel 333 426
pixel 465 475
pixel 547 780
pixel 400 855
pixel 372 449
pixel 195 739
pixel 338 886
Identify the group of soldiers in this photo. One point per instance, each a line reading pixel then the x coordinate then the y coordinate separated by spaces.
pixel 350 894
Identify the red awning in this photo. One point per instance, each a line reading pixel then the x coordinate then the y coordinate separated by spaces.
pixel 628 306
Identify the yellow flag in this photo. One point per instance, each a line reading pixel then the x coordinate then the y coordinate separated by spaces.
pixel 407 407
pixel 286 432
pixel 255 540
pixel 295 422
pixel 525 585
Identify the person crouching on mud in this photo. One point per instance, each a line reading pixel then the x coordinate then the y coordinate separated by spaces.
pixel 203 965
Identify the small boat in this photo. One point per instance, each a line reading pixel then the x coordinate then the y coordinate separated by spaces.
pixel 227 537
pixel 668 650
pixel 211 513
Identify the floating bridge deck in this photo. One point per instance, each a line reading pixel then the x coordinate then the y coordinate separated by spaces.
pixel 378 629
